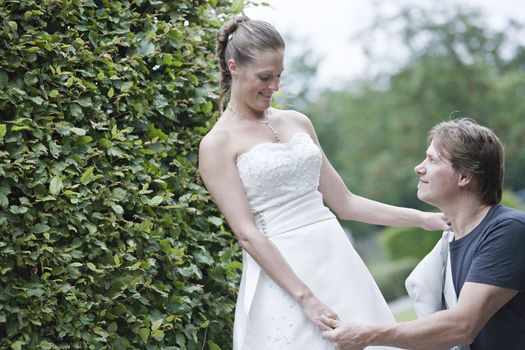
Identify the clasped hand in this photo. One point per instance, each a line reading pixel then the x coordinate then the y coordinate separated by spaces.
pixel 345 336
pixel 314 309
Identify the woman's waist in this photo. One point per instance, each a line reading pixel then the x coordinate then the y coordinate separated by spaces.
pixel 296 213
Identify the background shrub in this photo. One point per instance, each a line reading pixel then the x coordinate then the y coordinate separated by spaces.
pixel 108 239
pixel 401 242
pixel 390 276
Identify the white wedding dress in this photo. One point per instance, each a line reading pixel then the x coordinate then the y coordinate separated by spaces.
pixel 281 181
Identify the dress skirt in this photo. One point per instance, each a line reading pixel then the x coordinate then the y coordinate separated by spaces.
pixel 316 247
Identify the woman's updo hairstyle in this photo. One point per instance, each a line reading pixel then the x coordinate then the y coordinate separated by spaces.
pixel 240 39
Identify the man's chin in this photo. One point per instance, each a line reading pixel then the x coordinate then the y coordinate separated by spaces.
pixel 422 198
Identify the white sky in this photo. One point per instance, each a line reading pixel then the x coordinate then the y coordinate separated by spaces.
pixel 327 27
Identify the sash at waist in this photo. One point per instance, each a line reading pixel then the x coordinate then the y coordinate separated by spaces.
pixel 302 211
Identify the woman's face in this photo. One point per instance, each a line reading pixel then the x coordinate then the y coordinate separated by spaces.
pixel 253 84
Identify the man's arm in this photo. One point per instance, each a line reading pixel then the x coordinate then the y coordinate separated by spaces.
pixel 476 305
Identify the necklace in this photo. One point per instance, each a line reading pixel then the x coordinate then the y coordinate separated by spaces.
pixel 266 122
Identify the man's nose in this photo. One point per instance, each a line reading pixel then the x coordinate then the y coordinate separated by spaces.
pixel 420 169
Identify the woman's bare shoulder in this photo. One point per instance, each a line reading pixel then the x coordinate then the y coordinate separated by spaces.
pixel 217 140
pixel 296 118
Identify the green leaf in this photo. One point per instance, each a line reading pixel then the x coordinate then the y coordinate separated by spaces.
pixel 38 100
pixel 78 131
pixel 3 130
pixel 213 346
pixel 75 110
pixel 158 334
pixel 17 345
pixel 118 193
pixel 215 220
pixel 144 334
pixel 156 325
pixel 86 176
pixel 117 209
pixel 91 266
pixel 85 102
pixel 41 228
pixel 237 6
pixel 146 47
pixel 17 209
pixel 116 152
pixel 207 107
pixel 55 185
pixel 156 200
pixel 126 86
pixel 35 292
pixel 167 59
pixel 53 93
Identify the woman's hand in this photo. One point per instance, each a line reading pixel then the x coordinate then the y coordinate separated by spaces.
pixel 314 309
pixel 434 221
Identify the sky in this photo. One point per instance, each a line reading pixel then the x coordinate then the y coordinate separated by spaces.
pixel 328 26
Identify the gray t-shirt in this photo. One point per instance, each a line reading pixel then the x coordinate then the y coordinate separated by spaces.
pixel 494 253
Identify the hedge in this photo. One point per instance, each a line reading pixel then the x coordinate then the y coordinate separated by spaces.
pixel 108 238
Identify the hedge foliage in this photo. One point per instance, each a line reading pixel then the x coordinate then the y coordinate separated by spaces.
pixel 108 239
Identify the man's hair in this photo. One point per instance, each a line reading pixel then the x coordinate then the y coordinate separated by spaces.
pixel 473 149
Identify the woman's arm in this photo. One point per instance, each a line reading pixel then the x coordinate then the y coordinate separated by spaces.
pixel 219 173
pixel 349 206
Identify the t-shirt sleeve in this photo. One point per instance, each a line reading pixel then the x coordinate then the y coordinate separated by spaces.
pixel 500 259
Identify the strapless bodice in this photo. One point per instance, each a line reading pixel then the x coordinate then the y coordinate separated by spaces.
pixel 276 173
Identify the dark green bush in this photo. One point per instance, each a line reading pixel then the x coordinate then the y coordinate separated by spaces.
pixel 401 242
pixel 108 238
pixel 390 276
pixel 405 247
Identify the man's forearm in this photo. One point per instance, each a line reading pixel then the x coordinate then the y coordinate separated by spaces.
pixel 441 330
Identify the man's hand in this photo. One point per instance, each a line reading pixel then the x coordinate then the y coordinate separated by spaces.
pixel 345 336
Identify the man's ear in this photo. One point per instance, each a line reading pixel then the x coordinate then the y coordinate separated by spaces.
pixel 232 66
pixel 464 179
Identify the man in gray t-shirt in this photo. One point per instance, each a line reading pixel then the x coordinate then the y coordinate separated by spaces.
pixel 493 254
pixel 462 175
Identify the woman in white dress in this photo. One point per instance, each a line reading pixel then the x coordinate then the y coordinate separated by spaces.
pixel 267 174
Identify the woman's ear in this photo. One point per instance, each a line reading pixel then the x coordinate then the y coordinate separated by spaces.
pixel 232 66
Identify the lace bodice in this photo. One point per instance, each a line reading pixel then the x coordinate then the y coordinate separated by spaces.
pixel 275 173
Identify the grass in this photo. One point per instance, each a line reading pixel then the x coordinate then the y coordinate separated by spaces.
pixel 405 315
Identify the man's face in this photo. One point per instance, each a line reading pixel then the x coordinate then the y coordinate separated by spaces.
pixel 438 181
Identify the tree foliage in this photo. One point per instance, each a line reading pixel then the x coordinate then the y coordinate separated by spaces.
pixel 108 238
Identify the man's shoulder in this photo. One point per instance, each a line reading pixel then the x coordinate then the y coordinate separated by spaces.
pixel 504 213
pixel 505 222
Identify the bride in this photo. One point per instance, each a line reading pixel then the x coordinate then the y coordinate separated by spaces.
pixel 269 177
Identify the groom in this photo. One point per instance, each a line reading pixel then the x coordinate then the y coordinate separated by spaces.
pixel 462 175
